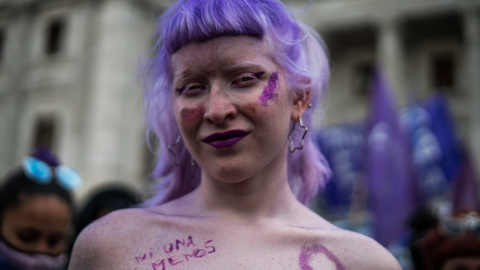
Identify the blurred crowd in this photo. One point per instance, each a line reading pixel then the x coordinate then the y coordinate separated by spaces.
pixel 39 221
pixel 445 242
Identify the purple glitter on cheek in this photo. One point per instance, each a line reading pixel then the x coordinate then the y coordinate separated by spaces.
pixel 308 251
pixel 268 92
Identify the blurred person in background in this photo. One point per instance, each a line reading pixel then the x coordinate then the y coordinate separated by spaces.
pixel 421 222
pixel 454 244
pixel 36 211
pixel 104 201
pixel 230 91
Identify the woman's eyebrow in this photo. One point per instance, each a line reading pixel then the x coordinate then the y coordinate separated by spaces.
pixel 186 74
pixel 226 68
pixel 242 66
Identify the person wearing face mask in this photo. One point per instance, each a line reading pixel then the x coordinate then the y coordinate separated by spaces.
pixel 36 211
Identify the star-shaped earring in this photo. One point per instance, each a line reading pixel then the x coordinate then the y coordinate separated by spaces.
pixel 292 149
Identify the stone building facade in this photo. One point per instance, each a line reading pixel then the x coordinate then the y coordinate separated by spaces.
pixel 68 72
pixel 68 80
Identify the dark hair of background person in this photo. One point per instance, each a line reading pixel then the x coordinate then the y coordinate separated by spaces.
pixel 421 222
pixel 102 202
pixel 437 248
pixel 17 184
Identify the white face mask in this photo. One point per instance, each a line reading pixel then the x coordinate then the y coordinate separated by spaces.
pixel 27 261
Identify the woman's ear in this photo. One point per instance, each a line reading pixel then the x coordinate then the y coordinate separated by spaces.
pixel 301 100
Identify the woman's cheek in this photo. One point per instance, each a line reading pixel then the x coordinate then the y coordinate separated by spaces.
pixel 269 95
pixel 251 106
pixel 190 115
pixel 270 90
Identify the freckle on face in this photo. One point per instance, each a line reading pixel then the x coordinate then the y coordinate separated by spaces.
pixel 191 114
pixel 252 106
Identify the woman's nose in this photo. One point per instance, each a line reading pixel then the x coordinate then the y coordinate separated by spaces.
pixel 42 247
pixel 219 107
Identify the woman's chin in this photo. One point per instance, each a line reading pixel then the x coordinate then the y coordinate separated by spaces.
pixel 229 174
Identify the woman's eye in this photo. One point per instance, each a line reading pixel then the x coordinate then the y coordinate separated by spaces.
pixel 28 237
pixel 247 79
pixel 191 89
pixel 55 239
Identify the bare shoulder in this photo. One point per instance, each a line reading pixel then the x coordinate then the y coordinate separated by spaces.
pixel 117 240
pixel 102 241
pixel 326 246
pixel 368 253
pixel 347 250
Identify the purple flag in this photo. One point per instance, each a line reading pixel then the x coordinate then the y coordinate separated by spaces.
pixel 343 148
pixel 444 129
pixel 427 152
pixel 394 193
pixel 465 189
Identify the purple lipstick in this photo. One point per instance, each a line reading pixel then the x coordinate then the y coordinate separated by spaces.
pixel 225 139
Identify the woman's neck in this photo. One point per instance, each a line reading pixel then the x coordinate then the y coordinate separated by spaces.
pixel 265 195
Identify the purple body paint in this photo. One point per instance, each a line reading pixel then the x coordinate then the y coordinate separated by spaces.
pixel 308 251
pixel 180 251
pixel 268 92
pixel 141 258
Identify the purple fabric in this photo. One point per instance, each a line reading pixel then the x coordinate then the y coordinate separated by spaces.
pixel 393 190
pixel 343 147
pixel 465 188
pixel 43 153
pixel 426 150
pixel 31 261
pixel 445 131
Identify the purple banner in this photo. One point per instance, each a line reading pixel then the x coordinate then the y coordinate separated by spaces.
pixel 343 147
pixel 393 188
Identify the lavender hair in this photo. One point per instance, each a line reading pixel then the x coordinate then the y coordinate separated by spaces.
pixel 293 46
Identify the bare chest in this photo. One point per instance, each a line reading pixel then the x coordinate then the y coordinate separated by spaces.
pixel 179 250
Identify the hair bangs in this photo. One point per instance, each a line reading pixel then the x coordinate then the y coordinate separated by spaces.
pixel 207 19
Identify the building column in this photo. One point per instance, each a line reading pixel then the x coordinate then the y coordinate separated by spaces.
pixel 471 20
pixel 16 59
pixel 112 146
pixel 390 55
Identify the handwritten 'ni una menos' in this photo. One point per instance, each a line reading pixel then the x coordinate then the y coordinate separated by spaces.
pixel 177 252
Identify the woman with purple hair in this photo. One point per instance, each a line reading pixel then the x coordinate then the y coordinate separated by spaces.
pixel 229 94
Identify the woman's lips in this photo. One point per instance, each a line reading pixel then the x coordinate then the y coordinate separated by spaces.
pixel 225 139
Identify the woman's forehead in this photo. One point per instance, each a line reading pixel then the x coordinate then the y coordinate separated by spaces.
pixel 225 51
pixel 222 44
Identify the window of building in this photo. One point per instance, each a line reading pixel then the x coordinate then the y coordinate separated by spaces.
pixel 44 132
pixel 55 33
pixel 443 72
pixel 362 79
